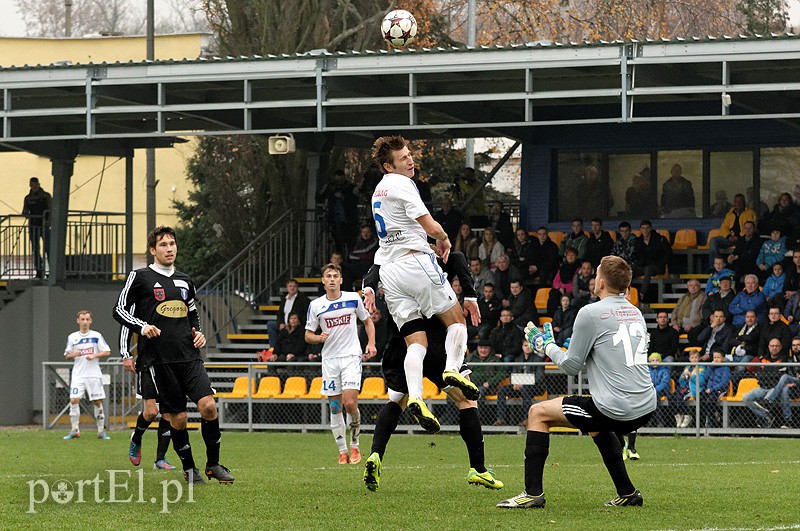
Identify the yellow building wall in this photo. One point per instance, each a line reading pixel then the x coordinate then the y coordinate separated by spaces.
pixel 98 183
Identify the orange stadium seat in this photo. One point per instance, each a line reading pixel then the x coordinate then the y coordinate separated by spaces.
pixel 431 392
pixel 314 390
pixel 295 387
pixel 634 296
pixel 613 234
pixel 544 319
pixel 664 233
pixel 239 388
pixel 268 387
pixel 542 295
pixel 685 239
pixel 745 386
pixel 556 236
pixel 373 387
pixel 711 234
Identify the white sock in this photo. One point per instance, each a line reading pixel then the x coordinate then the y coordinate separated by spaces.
pixel 413 368
pixel 100 416
pixel 455 345
pixel 339 431
pixel 354 421
pixel 75 416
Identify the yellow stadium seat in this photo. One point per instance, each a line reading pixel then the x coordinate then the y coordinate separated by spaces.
pixel 634 296
pixel 543 320
pixel 295 387
pixel 613 234
pixel 713 233
pixel 557 236
pixel 314 390
pixel 268 387
pixel 636 232
pixel 373 387
pixel 664 233
pixel 431 392
pixel 542 295
pixel 239 388
pixel 685 239
pixel 745 386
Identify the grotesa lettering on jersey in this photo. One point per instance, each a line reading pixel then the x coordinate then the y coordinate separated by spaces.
pixel 337 321
pixel 172 309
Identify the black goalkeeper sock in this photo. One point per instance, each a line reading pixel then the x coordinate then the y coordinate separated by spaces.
pixel 609 447
pixel 164 436
pixel 470 429
pixel 632 441
pixel 387 420
pixel 537 448
pixel 180 441
pixel 141 427
pixel 212 437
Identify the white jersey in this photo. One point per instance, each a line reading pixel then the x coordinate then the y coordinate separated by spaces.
pixel 396 205
pixel 338 318
pixel 90 343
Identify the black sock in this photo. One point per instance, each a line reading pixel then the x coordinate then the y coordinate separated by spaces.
pixel 141 427
pixel 388 417
pixel 180 441
pixel 609 447
pixel 537 448
pixel 164 436
pixel 470 428
pixel 212 437
pixel 632 441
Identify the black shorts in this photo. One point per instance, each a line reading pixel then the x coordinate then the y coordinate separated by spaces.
pixel 582 413
pixel 145 386
pixel 175 381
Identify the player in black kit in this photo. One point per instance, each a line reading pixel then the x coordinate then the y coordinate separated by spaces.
pixel 157 303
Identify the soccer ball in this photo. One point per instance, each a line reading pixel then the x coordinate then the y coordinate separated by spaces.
pixel 398 28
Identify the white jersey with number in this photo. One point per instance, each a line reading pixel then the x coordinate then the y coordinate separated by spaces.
pixel 90 343
pixel 396 206
pixel 339 319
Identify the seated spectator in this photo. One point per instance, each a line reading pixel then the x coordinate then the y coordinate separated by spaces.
pixel 717 384
pixel 542 258
pixel 750 298
pixel 792 313
pixel 480 275
pixel 563 321
pixel 489 305
pixel 785 390
pixel 652 254
pixel 504 274
pixel 625 246
pixel 566 272
pixel 640 200
pixel 744 346
pixel 772 251
pixel 784 216
pixel 664 339
pixel 719 271
pixel 505 338
pixel 599 244
pixel 716 301
pixel 677 195
pixel 363 254
pixel 745 252
pixel 732 227
pixel 792 283
pixel 450 218
pixel 519 254
pixel 456 285
pixel 500 222
pixel 721 205
pixel 768 377
pixel 716 336
pixel 688 312
pixel 291 302
pixel 466 242
pixel 692 378
pixel 486 377
pixel 774 329
pixel 524 391
pixel 521 304
pixel 580 302
pixel 580 282
pixel 292 343
pixel 576 239
pixel 773 287
pixel 490 248
pixel 659 374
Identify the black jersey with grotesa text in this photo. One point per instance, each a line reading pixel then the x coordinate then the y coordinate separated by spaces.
pixel 151 297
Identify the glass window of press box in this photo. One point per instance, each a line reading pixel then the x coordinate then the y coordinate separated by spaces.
pixel 672 183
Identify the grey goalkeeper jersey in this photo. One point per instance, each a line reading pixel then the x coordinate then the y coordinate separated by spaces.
pixel 610 338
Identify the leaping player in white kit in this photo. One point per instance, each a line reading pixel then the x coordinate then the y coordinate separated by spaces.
pixel 335 314
pixel 413 283
pixel 86 347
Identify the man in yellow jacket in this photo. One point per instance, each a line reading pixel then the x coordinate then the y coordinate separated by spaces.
pixel 732 227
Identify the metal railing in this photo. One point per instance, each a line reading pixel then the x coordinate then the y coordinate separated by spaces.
pixel 95 245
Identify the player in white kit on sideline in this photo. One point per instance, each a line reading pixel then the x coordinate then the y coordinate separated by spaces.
pixel 86 347
pixel 335 313
pixel 413 283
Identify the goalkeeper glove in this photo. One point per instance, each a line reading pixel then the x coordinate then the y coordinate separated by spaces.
pixel 539 340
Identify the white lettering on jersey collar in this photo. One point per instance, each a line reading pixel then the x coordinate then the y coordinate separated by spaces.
pixel 180 283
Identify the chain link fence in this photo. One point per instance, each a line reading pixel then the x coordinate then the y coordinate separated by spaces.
pixel 758 399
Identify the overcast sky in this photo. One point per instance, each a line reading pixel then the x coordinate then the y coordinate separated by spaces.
pixel 11 23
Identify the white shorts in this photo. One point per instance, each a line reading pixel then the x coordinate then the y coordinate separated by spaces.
pixel 339 374
pixel 92 386
pixel 415 286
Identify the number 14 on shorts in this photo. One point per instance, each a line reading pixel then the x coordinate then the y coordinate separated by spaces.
pixel 329 385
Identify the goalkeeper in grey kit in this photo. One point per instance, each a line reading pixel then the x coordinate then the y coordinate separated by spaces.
pixel 609 342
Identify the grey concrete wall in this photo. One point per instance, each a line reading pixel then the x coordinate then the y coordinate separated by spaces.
pixel 34 328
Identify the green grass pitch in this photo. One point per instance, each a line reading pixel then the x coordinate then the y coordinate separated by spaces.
pixel 292 481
